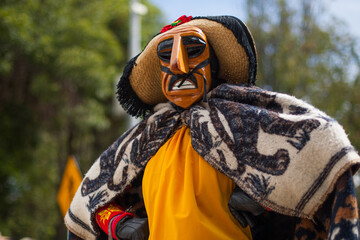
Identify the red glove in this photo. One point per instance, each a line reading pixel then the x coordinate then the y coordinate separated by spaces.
pixel 108 216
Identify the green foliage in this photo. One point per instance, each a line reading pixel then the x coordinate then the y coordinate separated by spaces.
pixel 316 62
pixel 300 56
pixel 58 64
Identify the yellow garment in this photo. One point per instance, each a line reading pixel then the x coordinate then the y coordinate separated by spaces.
pixel 185 197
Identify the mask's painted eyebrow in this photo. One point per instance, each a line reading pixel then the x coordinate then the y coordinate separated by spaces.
pixel 187 40
pixel 166 44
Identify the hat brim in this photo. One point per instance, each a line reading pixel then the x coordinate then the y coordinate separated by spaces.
pixel 233 46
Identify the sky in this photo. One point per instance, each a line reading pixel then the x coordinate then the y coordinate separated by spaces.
pixel 345 10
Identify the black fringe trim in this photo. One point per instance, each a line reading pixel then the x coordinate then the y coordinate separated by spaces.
pixel 126 95
pixel 244 38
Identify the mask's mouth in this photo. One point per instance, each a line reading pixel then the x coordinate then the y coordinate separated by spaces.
pixel 188 80
pixel 184 81
pixel 183 85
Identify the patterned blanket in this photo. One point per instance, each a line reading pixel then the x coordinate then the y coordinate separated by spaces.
pixel 283 152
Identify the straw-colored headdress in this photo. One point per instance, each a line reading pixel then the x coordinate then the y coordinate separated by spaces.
pixel 139 88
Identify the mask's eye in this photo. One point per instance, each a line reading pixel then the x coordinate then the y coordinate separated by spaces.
pixel 195 46
pixel 164 49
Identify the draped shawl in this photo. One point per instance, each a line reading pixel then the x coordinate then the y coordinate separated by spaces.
pixel 284 153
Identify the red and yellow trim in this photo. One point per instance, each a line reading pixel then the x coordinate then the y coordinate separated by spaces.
pixel 105 214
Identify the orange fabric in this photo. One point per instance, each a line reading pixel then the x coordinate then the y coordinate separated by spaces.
pixel 185 197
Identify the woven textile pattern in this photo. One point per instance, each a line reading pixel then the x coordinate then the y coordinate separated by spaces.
pixel 283 152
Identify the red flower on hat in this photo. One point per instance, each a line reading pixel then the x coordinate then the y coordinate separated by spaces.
pixel 177 22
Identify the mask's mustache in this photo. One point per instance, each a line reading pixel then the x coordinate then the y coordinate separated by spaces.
pixel 175 78
pixel 190 76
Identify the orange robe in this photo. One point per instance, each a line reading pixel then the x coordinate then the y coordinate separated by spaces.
pixel 185 197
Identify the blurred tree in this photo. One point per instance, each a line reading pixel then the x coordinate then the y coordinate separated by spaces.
pixel 58 64
pixel 316 62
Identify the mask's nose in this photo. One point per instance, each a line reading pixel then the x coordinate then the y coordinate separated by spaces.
pixel 179 57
